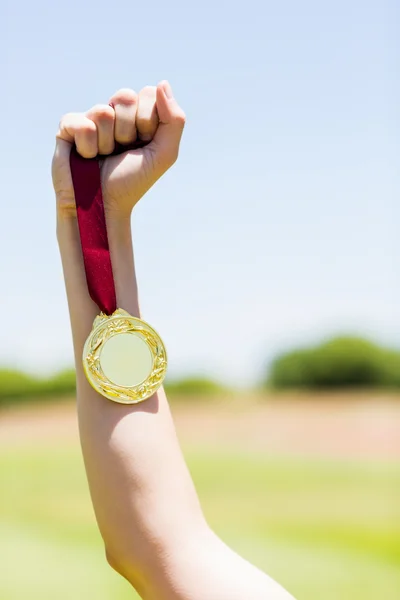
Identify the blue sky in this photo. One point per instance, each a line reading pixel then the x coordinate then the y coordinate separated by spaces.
pixel 278 225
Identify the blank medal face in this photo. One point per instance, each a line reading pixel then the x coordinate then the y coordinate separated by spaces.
pixel 126 359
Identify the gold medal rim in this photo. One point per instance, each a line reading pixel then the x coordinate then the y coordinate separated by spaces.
pixel 104 328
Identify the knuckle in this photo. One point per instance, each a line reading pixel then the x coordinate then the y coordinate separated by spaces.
pixel 66 120
pixel 124 96
pixel 148 90
pixel 88 129
pixel 102 112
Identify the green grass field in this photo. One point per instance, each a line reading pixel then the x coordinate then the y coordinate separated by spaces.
pixel 325 529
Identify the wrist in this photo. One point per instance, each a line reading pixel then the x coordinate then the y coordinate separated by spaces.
pixel 119 234
pixel 116 222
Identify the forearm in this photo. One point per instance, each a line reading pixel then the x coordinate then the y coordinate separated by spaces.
pixel 143 496
pixel 145 503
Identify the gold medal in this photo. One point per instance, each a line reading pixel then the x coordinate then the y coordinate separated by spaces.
pixel 124 359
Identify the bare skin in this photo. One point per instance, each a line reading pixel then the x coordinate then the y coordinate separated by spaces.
pixel 155 534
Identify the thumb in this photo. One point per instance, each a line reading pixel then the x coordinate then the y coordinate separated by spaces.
pixel 172 121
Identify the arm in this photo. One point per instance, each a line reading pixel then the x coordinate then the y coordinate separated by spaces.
pixel 146 506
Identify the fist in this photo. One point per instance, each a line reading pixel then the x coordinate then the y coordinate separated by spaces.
pixel 152 120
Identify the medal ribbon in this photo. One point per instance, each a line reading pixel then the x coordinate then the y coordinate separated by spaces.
pixel 86 179
pixel 93 231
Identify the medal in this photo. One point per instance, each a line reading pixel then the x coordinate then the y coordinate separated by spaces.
pixel 124 358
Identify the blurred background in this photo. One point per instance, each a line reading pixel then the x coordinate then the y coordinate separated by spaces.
pixel 265 258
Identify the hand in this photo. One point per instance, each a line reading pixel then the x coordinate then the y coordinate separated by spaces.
pixel 151 118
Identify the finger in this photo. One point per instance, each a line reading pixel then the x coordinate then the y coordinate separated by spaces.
pixel 147 116
pixel 172 121
pixel 103 116
pixel 124 103
pixel 77 128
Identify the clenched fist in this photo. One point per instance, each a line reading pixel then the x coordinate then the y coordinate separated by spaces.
pixel 151 120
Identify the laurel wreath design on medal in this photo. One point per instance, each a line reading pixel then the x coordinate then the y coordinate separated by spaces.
pixel 104 328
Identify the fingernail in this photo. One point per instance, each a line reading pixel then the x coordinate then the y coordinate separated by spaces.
pixel 168 90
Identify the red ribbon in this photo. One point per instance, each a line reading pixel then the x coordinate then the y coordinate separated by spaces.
pixel 86 179
pixel 93 231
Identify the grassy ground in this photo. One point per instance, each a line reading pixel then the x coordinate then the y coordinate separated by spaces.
pixel 326 528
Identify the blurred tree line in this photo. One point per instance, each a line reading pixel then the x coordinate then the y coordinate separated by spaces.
pixel 342 362
pixel 19 387
pixel 16 386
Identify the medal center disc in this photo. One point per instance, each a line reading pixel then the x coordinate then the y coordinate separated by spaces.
pixel 126 360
